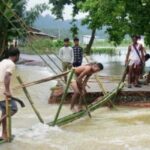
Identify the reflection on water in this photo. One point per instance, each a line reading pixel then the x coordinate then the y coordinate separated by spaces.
pixel 123 129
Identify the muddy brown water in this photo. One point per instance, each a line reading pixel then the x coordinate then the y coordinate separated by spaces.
pixel 123 129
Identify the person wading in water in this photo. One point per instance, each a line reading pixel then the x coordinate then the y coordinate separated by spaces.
pixel 80 79
pixel 7 67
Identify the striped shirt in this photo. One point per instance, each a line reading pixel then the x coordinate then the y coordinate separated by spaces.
pixel 78 54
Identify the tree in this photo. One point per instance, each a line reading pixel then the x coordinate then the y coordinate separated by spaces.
pixel 58 7
pixel 121 17
pixel 8 32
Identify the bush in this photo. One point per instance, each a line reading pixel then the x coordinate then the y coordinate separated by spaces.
pixel 42 46
pixel 110 51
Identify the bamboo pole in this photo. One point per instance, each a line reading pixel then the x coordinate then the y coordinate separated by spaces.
pixel 54 63
pixel 63 97
pixel 82 96
pixel 30 100
pixel 122 80
pixel 100 102
pixel 41 80
pixel 86 106
pixel 8 119
pixel 58 57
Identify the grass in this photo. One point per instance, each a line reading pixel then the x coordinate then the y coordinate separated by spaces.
pixel 106 43
pixel 41 46
pixel 47 46
pixel 109 51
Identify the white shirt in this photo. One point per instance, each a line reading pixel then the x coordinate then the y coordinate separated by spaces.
pixel 6 65
pixel 133 54
pixel 66 54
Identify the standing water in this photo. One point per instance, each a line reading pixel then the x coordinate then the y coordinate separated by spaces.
pixel 122 129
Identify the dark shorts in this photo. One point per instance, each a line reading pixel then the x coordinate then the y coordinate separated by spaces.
pixel 12 103
pixel 77 64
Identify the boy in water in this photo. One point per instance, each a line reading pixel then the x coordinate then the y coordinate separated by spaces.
pixel 82 74
pixel 7 67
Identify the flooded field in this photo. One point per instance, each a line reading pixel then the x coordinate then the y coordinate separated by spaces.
pixel 122 129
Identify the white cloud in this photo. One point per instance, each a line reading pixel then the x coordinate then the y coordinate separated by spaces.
pixel 67 14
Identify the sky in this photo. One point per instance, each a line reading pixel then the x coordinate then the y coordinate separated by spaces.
pixel 67 11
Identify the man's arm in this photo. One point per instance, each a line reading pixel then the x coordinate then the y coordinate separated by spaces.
pixel 61 53
pixel 7 79
pixel 81 54
pixel 83 89
pixel 127 56
pixel 142 53
pixel 72 53
pixel 80 78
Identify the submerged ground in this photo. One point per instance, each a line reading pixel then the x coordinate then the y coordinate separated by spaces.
pixel 122 129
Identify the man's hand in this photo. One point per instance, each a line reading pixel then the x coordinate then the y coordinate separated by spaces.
pixel 7 93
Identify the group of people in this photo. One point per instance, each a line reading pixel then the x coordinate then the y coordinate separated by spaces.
pixel 71 57
pixel 135 62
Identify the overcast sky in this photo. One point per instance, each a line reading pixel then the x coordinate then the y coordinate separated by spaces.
pixel 67 11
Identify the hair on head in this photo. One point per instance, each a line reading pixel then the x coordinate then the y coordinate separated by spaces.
pixel 66 40
pixel 100 65
pixel 76 39
pixel 13 51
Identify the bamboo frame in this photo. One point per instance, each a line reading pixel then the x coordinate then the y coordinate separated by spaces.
pixel 63 97
pixel 8 119
pixel 30 101
pixel 41 80
pixel 100 102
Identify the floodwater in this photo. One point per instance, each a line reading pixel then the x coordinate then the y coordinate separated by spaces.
pixel 122 129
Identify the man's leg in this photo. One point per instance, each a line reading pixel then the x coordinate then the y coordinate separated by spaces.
pixel 137 75
pixel 64 69
pixel 4 126
pixel 75 95
pixel 3 117
pixel 130 74
pixel 69 66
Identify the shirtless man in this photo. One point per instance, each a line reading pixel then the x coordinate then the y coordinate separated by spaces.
pixel 82 74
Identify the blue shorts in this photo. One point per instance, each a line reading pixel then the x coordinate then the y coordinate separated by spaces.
pixel 13 104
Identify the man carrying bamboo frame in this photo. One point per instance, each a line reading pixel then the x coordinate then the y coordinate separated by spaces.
pixel 81 77
pixel 7 67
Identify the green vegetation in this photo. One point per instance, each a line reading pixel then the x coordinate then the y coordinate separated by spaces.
pixel 10 25
pixel 42 46
pixel 47 46
pixel 121 17
pixel 109 51
pixel 106 43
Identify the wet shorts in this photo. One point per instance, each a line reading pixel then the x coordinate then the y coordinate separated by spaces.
pixel 12 103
